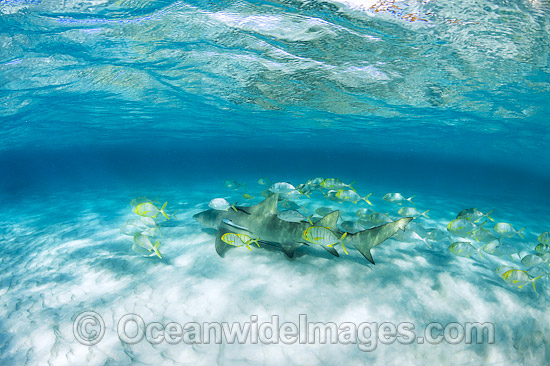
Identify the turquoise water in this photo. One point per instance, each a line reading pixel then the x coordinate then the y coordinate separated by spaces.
pixel 105 101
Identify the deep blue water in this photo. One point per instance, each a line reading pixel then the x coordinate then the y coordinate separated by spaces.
pixel 104 101
pixel 339 86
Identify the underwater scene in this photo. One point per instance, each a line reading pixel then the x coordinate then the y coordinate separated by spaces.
pixel 287 182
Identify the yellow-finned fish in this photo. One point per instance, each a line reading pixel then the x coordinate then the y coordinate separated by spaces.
pixel 238 240
pixel 412 212
pixel 323 236
pixel 473 214
pixel 544 238
pixel 264 181
pixel 282 188
pixel 352 196
pixel 542 248
pixel 461 227
pixel 336 184
pixel 363 213
pixel 464 249
pixel 138 200
pixel 230 183
pixel 148 209
pixel 221 204
pixel 144 242
pixel 519 278
pixel 506 229
pixel 532 260
pixel 397 198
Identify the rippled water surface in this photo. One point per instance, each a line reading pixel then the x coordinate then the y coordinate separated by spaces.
pixel 433 75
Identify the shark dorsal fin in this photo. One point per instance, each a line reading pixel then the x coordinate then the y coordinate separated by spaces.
pixel 266 207
pixel 330 220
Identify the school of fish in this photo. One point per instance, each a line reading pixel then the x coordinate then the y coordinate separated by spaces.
pixel 472 232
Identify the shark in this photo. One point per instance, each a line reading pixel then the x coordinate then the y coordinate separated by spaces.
pixel 261 221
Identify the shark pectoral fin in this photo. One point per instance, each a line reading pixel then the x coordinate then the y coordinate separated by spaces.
pixel 331 250
pixel 369 257
pixel 221 246
pixel 289 248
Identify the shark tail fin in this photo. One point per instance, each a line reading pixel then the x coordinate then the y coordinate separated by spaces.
pixel 365 240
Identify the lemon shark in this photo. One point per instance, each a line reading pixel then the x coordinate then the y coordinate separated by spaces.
pixel 261 221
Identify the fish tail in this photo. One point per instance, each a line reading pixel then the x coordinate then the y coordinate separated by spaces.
pixel 233 206
pixel 519 233
pixel 303 207
pixel 425 214
pixel 344 247
pixel 162 211
pixel 255 241
pixel 156 249
pixel 366 198
pixel 489 217
pixel 410 199
pixel 351 186
pixel 534 279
